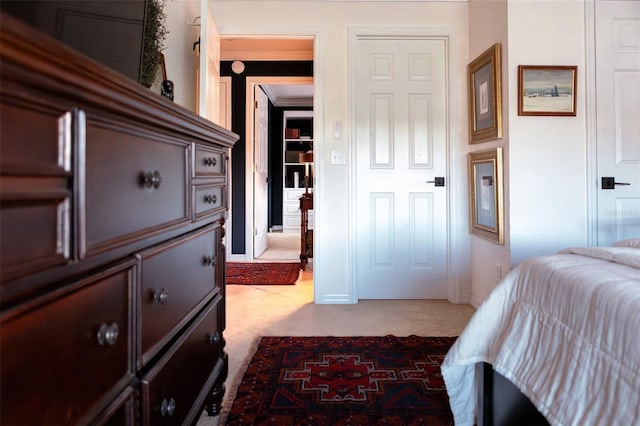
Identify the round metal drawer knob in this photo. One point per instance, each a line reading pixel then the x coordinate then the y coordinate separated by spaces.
pixel 108 334
pixel 210 161
pixel 161 296
pixel 209 261
pixel 210 199
pixel 151 179
pixel 168 407
pixel 214 339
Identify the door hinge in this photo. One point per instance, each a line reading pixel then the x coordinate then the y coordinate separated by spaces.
pixel 255 104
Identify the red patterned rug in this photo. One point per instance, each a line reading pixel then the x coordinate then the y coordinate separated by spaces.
pixel 344 381
pixel 262 273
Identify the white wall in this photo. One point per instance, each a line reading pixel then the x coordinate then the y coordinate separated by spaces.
pixel 488 25
pixel 180 59
pixel 329 22
pixel 547 155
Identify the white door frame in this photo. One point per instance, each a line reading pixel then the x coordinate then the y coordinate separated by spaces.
pixel 249 208
pixel 455 179
pixel 590 113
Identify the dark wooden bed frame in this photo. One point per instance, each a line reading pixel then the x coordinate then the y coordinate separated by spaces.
pixel 500 402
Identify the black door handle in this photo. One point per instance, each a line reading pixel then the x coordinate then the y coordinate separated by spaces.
pixel 610 183
pixel 438 181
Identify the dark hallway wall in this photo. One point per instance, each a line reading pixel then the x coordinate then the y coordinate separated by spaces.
pixel 239 152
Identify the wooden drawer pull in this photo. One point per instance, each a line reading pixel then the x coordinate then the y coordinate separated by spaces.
pixel 150 179
pixel 209 261
pixel 108 334
pixel 168 407
pixel 210 161
pixel 161 296
pixel 210 199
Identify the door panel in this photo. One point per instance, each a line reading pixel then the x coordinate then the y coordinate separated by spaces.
pixel 261 160
pixel 618 127
pixel 400 105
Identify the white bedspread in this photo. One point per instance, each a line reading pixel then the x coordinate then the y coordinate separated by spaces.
pixel 565 329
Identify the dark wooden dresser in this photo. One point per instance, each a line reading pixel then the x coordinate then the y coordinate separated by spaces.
pixel 113 203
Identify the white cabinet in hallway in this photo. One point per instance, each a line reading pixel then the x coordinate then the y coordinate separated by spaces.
pixel 298 164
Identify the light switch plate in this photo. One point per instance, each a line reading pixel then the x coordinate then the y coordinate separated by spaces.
pixel 337 129
pixel 337 157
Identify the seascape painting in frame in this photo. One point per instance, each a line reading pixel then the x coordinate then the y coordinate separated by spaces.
pixel 547 90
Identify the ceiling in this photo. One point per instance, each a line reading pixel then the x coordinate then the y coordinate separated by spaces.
pixel 273 49
pixel 266 49
pixel 284 95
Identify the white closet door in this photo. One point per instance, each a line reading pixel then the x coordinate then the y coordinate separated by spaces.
pixel 400 105
pixel 618 118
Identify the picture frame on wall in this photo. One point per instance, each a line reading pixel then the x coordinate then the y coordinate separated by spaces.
pixel 486 198
pixel 547 90
pixel 485 96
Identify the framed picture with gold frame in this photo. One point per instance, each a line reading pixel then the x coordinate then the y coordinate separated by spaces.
pixel 485 96
pixel 486 194
pixel 547 89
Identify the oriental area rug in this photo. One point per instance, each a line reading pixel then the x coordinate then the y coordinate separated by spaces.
pixel 262 273
pixel 344 381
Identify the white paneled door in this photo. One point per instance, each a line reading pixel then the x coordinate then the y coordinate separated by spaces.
pixel 261 171
pixel 618 119
pixel 400 119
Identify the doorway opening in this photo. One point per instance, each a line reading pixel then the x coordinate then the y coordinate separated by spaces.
pixel 274 187
pixel 266 235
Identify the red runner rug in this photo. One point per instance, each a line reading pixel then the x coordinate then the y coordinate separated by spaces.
pixel 262 273
pixel 344 381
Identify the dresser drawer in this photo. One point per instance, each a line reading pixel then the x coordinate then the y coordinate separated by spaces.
pixel 177 279
pixel 209 162
pixel 35 187
pixel 136 185
pixel 35 234
pixel 35 140
pixel 292 208
pixel 291 221
pixel 208 199
pixel 175 382
pixel 63 359
pixel 293 195
pixel 122 412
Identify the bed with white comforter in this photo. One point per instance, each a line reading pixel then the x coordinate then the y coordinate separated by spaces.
pixel 565 330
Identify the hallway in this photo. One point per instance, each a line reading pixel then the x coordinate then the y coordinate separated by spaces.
pixel 282 246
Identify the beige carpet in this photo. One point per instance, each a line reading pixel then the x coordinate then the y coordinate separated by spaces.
pixel 282 246
pixel 254 311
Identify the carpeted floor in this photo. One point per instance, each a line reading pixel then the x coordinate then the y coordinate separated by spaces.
pixel 343 380
pixel 262 273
